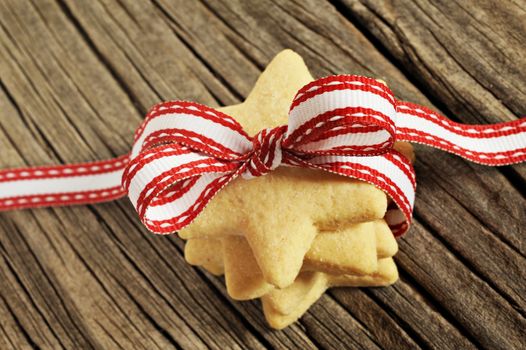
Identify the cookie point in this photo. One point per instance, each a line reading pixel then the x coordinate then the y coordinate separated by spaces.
pixel 288 53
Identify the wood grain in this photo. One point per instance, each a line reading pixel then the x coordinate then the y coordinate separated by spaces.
pixel 76 78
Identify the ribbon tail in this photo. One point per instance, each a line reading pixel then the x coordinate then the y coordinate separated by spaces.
pixel 494 144
pixel 72 184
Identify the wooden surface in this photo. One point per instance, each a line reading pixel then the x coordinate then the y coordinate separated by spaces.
pixel 77 78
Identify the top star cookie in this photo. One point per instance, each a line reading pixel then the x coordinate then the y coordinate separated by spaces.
pixel 281 213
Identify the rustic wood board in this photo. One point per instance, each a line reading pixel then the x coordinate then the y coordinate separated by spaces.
pixel 77 77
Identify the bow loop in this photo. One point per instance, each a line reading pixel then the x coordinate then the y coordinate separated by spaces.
pixel 195 126
pixel 183 153
pixel 342 115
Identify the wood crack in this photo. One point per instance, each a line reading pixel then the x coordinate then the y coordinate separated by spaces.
pixel 30 299
pixel 24 332
pixel 357 320
pixel 96 277
pixel 79 334
pixel 240 33
pixel 432 302
pixel 150 319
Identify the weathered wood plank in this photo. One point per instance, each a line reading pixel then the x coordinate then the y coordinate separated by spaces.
pixel 499 262
pixel 29 327
pixel 491 321
pixel 331 325
pixel 375 318
pixel 427 321
pixel 11 333
pixel 87 72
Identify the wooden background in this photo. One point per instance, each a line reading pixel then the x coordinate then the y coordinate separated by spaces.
pixel 77 78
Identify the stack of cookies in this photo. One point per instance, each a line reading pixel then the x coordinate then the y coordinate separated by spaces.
pixel 289 235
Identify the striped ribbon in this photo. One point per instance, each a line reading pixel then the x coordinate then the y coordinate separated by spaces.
pixel 184 153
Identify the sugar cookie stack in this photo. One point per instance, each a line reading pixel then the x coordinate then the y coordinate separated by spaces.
pixel 289 235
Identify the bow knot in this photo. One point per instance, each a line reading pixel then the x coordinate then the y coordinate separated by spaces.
pixel 266 154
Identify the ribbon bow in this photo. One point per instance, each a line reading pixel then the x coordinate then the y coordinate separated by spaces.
pixel 184 153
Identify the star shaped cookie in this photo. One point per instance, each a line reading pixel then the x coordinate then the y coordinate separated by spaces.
pixel 281 213
pixel 335 259
pixel 355 250
pixel 290 235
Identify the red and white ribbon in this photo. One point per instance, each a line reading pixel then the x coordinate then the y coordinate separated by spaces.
pixel 184 153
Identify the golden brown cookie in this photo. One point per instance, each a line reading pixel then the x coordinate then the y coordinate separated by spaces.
pixel 207 253
pixel 280 213
pixel 284 306
pixel 289 235
pixel 363 244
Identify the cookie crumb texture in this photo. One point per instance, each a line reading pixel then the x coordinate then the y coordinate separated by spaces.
pixel 288 236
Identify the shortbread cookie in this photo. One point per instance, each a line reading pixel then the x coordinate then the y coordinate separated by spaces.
pixel 386 245
pixel 349 250
pixel 243 277
pixel 207 253
pixel 284 306
pixel 261 233
pixel 354 251
pixel 306 289
pixel 280 213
